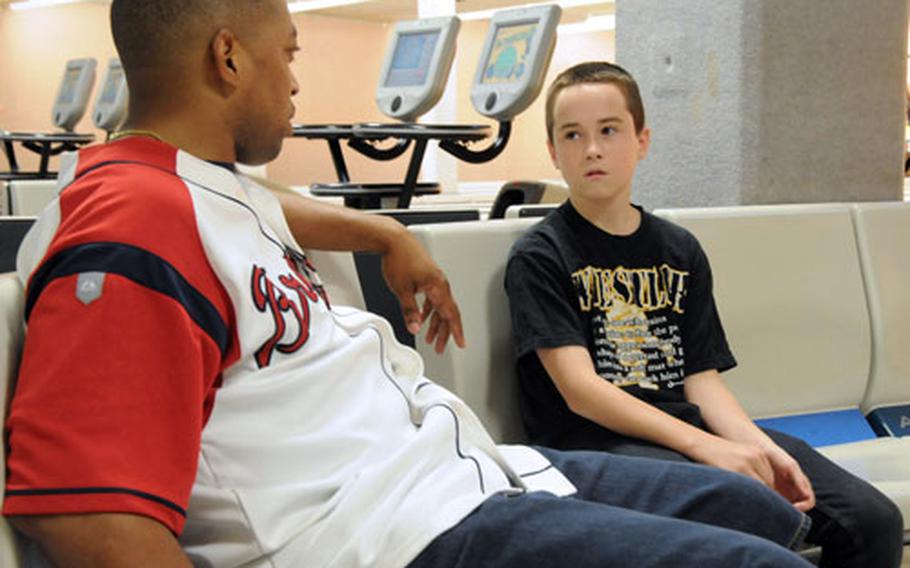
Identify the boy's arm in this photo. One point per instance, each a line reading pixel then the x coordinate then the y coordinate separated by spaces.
pixel 726 417
pixel 407 267
pixel 590 396
pixel 103 540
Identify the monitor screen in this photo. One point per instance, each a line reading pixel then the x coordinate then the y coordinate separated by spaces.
pixel 508 58
pixel 411 59
pixel 109 95
pixel 70 81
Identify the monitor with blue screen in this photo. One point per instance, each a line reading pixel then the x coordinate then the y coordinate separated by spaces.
pixel 411 60
pixel 514 59
pixel 510 56
pixel 416 67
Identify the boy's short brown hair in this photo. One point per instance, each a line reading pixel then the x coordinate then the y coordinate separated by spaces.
pixel 597 72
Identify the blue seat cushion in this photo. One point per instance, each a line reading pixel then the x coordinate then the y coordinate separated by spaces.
pixel 823 428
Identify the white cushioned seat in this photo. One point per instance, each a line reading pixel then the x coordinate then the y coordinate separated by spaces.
pixel 473 256
pixel 790 293
pixel 11 335
pixel 883 235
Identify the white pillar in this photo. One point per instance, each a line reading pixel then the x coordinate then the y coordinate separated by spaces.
pixel 764 101
pixel 438 165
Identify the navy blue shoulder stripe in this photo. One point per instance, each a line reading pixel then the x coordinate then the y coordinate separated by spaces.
pixel 96 490
pixel 138 265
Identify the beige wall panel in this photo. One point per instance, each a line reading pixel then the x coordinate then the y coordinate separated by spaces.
pixel 337 68
pixel 34 47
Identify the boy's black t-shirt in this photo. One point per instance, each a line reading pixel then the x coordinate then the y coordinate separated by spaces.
pixel 641 304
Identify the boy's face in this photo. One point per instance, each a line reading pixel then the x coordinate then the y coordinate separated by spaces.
pixel 594 143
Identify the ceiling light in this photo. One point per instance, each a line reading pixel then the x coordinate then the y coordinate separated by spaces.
pixel 487 14
pixel 32 4
pixel 309 5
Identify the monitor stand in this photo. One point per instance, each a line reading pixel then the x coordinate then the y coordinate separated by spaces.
pixel 365 138
pixel 45 145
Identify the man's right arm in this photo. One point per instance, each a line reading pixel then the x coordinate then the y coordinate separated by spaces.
pixel 590 396
pixel 406 265
pixel 104 427
pixel 103 540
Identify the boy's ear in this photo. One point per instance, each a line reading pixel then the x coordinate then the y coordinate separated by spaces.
pixel 644 142
pixel 552 150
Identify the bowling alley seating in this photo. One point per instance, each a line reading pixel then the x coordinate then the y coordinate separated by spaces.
pixel 11 334
pixel 794 286
pixel 814 299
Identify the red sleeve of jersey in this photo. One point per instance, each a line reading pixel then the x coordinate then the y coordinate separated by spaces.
pixel 108 408
pixel 115 382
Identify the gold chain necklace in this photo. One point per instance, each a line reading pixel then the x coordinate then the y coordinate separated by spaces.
pixel 134 132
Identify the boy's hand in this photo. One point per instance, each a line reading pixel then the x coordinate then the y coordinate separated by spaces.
pixel 767 463
pixel 409 270
pixel 739 458
pixel 789 479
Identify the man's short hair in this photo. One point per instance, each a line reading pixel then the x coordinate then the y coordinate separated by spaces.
pixel 152 33
pixel 597 72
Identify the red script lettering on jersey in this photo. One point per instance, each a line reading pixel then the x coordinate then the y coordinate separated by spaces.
pixel 275 298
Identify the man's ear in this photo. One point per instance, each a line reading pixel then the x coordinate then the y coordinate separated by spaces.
pixel 225 51
pixel 552 150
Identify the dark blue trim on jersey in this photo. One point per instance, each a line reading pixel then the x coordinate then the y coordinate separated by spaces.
pixel 96 490
pixel 138 265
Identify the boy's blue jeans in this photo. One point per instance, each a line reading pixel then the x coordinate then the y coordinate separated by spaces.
pixel 628 512
pixel 854 523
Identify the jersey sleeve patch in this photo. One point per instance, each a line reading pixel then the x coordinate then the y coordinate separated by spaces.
pixel 93 259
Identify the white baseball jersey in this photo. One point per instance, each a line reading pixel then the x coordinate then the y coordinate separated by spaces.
pixel 182 363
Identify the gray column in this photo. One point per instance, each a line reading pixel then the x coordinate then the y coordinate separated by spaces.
pixel 768 101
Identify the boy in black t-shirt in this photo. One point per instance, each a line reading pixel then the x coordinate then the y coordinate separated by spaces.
pixel 618 342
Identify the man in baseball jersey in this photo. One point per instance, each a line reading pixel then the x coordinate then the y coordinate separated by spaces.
pixel 188 395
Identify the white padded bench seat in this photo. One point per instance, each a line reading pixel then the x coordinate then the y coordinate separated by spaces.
pixel 11 335
pixel 883 236
pixel 30 197
pixel 788 285
pixel 473 256
pixel 791 284
pixel 790 293
pixel 883 462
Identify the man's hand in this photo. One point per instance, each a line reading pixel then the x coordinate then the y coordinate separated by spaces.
pixel 789 479
pixel 409 270
pixel 407 267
